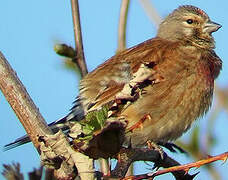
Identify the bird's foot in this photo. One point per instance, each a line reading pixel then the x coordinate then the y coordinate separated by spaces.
pixel 154 146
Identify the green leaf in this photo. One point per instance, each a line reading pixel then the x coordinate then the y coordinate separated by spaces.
pixel 94 121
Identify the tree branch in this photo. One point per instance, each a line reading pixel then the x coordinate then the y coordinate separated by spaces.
pixel 187 167
pixel 122 25
pixel 86 165
pixel 128 156
pixel 172 166
pixel 26 111
pixel 80 59
pixel 22 104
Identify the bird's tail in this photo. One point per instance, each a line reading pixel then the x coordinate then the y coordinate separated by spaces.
pixel 25 139
pixel 18 142
pixel 76 114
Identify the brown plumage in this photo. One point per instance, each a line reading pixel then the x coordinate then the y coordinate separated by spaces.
pixel 164 84
pixel 183 67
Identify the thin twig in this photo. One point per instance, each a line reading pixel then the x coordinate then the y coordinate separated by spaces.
pixel 122 25
pixel 185 167
pixel 151 12
pixel 130 155
pixel 78 38
pixel 86 170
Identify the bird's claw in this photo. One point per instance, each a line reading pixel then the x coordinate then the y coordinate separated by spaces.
pixel 152 145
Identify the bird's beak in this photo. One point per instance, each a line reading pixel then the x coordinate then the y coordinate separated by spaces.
pixel 211 27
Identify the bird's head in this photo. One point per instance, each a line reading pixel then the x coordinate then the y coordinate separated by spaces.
pixel 189 24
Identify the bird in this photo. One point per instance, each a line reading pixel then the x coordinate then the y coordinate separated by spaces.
pixel 160 86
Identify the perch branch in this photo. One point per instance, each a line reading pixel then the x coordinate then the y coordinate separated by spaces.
pixel 128 156
pixel 22 104
pixel 25 109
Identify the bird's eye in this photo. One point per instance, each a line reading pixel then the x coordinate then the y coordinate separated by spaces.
pixel 189 21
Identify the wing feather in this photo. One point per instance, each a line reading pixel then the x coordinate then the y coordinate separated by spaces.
pixel 105 82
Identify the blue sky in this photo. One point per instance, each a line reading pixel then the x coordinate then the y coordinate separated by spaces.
pixel 28 32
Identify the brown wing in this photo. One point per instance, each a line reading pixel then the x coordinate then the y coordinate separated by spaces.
pixel 109 79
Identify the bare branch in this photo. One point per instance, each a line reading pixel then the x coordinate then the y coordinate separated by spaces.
pixel 25 109
pixel 78 38
pixel 86 169
pixel 21 102
pixel 128 156
pixel 122 25
pixel 181 168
